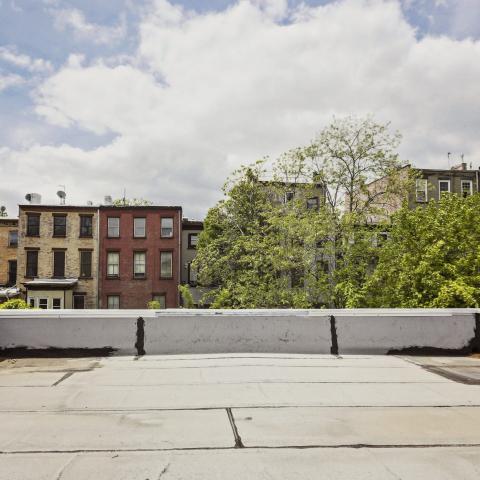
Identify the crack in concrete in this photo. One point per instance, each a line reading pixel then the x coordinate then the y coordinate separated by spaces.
pixel 353 446
pixel 64 377
pixel 238 440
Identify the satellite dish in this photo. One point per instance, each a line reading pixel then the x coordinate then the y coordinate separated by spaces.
pixel 61 195
pixel 28 197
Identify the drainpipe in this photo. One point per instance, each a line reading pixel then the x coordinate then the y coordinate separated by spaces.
pixel 180 233
pixel 97 243
pixel 476 174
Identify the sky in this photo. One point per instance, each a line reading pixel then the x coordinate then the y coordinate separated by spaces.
pixel 163 99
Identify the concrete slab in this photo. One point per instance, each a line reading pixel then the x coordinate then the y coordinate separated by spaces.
pixel 394 426
pixel 182 416
pixel 115 431
pixel 259 464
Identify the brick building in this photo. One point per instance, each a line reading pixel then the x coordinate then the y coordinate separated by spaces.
pixel 8 251
pixel 57 255
pixel 140 255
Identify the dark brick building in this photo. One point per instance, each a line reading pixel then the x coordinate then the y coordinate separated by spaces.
pixel 140 251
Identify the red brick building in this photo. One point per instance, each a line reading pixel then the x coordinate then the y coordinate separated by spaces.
pixel 140 250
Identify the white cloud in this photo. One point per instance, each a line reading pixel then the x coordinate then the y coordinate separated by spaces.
pixel 207 92
pixel 74 19
pixel 9 54
pixel 10 80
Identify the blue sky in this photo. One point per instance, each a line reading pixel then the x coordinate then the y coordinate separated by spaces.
pixel 54 53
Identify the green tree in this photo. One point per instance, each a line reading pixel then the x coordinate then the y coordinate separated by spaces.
pixel 187 297
pixel 432 258
pixel 262 246
pixel 14 303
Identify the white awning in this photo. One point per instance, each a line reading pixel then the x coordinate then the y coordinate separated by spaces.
pixel 52 282
pixel 9 292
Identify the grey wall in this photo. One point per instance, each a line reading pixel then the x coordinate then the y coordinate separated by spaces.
pixel 225 331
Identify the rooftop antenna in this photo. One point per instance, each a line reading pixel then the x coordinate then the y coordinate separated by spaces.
pixel 124 196
pixel 3 211
pixel 448 158
pixel 61 195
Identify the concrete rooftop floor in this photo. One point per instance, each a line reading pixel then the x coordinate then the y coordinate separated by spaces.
pixel 247 416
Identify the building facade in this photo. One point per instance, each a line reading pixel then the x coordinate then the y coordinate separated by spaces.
pixel 8 251
pixel 140 256
pixel 58 255
pixel 191 230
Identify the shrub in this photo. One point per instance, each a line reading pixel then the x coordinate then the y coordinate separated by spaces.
pixel 14 303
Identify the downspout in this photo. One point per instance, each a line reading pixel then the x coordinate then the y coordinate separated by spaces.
pixel 180 233
pixel 476 174
pixel 97 244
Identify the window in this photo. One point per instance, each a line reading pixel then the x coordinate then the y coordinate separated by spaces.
pixel 32 264
pixel 421 190
pixel 289 196
pixel 43 303
pixel 59 225
pixel 86 225
pixel 166 270
pixel 85 263
pixel 113 264
pixel 166 228
pixel 312 203
pixel 192 275
pixel 443 187
pixel 12 272
pixel 56 303
pixel 113 301
pixel 13 238
pixel 31 302
pixel 466 186
pixel 113 224
pixel 59 263
pixel 139 227
pixel 139 261
pixel 33 224
pixel 192 240
pixel 160 298
pixel 79 301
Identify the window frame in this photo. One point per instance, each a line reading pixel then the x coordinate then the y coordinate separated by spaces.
pixel 10 272
pixel 163 252
pixel 83 217
pixel 114 295
pixel 27 263
pixel 55 217
pixel 39 300
pixel 191 246
pixel 439 189
pixel 425 190
pixel 137 275
pixel 161 294
pixel 317 203
pixel 161 227
pixel 82 252
pixel 10 243
pixel 30 226
pixel 56 251
pixel 144 227
pixel 108 227
pixel 192 283
pixel 470 193
pixel 113 275
pixel 59 305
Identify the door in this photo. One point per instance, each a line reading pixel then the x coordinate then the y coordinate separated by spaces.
pixel 79 302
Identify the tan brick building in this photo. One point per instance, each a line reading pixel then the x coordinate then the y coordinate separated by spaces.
pixel 8 251
pixel 58 255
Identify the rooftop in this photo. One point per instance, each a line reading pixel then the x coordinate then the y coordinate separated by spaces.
pixel 246 416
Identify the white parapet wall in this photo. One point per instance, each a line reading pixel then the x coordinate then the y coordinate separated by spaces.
pixel 181 331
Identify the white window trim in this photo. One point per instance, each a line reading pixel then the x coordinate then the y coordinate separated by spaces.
pixel 144 228
pixel 115 228
pixel 113 264
pixel 417 190
pixel 439 191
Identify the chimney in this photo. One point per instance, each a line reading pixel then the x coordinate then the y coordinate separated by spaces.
pixel 33 198
pixel 107 200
